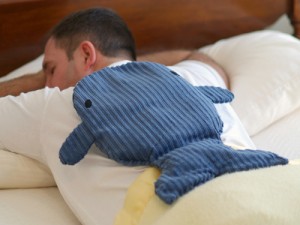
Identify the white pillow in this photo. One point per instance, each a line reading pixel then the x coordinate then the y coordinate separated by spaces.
pixel 30 67
pixel 264 69
pixel 17 171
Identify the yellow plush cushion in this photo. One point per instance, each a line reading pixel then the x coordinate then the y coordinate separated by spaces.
pixel 263 196
pixel 138 196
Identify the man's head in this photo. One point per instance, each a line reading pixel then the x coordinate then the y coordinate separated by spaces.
pixel 83 42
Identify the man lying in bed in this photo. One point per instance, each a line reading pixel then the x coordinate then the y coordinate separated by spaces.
pixel 69 56
pixel 41 120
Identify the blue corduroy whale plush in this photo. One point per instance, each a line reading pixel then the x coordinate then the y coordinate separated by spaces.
pixel 143 113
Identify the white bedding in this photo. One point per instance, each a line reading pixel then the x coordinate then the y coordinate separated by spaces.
pixel 281 136
pixel 43 206
pixel 267 133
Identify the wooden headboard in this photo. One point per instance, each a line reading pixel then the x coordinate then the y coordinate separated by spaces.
pixel 156 24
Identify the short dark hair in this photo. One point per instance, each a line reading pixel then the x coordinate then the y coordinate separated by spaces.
pixel 101 26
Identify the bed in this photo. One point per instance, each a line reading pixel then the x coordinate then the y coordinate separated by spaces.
pixel 263 64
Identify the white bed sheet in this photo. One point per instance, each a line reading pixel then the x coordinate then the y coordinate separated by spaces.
pixel 282 136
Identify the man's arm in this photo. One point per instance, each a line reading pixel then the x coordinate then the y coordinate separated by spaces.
pixel 172 57
pixel 168 58
pixel 24 84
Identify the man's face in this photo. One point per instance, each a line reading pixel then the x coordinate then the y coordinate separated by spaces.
pixel 58 69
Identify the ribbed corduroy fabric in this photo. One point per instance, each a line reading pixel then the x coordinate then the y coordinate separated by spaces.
pixel 142 113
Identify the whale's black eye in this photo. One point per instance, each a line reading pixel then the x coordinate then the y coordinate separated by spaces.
pixel 88 104
pixel 174 72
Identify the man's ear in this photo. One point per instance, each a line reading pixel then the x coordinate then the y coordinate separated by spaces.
pixel 88 52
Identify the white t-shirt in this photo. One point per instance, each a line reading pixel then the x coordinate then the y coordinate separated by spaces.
pixel 37 123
